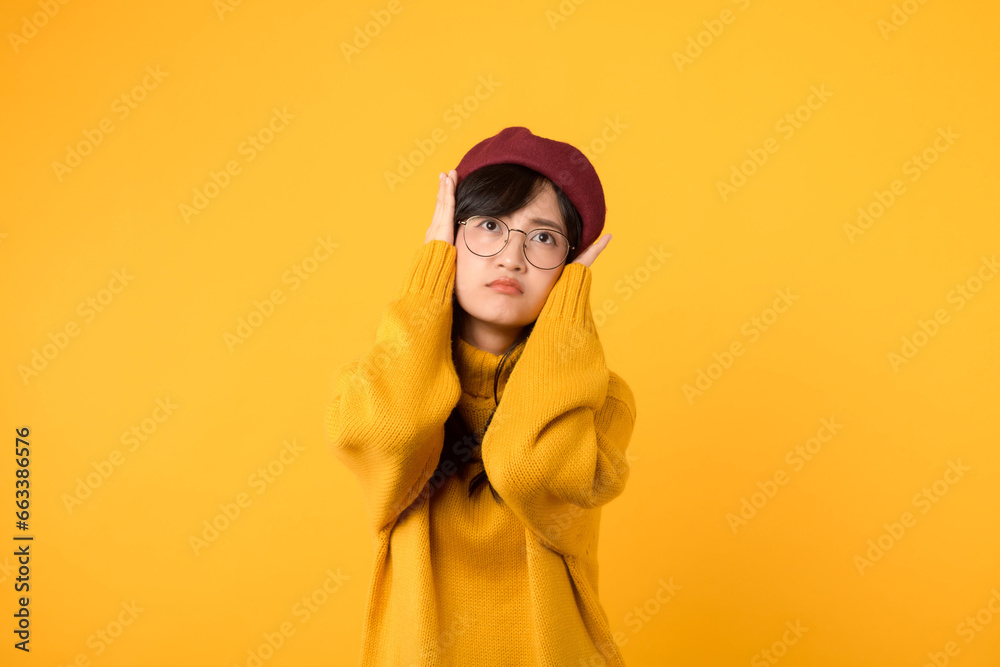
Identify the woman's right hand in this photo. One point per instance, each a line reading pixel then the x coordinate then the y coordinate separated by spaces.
pixel 443 223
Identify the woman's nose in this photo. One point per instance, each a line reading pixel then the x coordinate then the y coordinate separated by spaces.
pixel 513 253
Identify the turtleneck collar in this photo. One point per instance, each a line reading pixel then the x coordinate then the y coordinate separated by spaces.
pixel 476 367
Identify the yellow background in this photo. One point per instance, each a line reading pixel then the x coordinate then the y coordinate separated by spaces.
pixel 566 71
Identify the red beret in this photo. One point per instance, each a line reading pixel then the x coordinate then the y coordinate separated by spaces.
pixel 560 162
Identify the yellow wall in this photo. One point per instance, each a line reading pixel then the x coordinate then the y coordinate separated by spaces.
pixel 172 168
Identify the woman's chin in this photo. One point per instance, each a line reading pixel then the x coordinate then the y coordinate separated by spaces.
pixel 504 319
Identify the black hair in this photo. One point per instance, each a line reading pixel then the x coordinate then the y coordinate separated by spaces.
pixel 495 190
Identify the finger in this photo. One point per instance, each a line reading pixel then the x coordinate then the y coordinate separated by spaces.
pixel 601 245
pixel 449 194
pixel 439 203
pixel 588 256
pixel 439 208
pixel 585 257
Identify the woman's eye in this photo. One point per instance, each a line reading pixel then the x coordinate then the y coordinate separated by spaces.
pixel 489 225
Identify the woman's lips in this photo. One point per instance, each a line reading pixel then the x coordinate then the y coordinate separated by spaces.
pixel 505 288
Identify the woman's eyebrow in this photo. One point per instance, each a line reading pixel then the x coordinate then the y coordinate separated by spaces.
pixel 546 223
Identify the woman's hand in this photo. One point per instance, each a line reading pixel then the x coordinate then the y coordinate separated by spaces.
pixel 588 256
pixel 443 223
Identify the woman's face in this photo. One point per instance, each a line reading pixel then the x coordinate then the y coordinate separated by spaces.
pixel 491 307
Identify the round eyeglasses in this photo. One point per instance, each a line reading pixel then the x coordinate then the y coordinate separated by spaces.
pixel 544 248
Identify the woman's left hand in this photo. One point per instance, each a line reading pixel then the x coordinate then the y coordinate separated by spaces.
pixel 588 256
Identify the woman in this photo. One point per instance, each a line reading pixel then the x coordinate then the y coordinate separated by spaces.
pixel 487 372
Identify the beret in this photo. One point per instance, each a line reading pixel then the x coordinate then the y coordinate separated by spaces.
pixel 562 163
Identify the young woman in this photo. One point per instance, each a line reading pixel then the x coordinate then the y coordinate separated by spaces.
pixel 487 373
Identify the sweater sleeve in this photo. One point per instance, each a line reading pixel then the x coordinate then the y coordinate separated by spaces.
pixel 386 419
pixel 555 450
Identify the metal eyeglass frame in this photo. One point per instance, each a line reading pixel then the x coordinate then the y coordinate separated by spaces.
pixel 524 246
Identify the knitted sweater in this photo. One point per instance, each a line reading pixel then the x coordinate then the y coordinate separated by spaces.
pixel 462 580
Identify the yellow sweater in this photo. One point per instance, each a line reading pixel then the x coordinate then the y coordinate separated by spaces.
pixel 469 581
